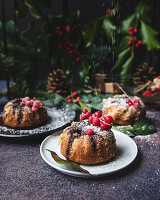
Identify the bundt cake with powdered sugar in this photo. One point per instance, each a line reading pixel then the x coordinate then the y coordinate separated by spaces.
pixel 24 113
pixel 89 141
pixel 124 109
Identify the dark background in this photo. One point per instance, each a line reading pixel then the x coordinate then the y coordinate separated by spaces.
pixel 89 9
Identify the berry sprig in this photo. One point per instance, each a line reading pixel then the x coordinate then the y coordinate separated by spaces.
pixel 73 98
pixel 135 103
pixel 105 123
pixel 67 46
pixel 33 104
pixel 134 41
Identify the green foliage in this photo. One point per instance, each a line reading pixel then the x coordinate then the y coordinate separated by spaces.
pixel 140 20
pixel 141 127
pixel 149 37
pixel 110 29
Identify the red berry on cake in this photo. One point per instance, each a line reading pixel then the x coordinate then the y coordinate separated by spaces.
pixel 28 103
pixel 98 114
pixel 83 117
pixel 90 119
pixel 103 126
pixel 36 104
pixel 84 111
pixel 108 119
pixel 96 121
pixel 34 108
pixel 89 132
pixel 88 114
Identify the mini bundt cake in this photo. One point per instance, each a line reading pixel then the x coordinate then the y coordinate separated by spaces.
pixel 88 142
pixel 124 109
pixel 24 113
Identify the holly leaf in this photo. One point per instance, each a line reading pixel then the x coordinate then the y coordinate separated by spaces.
pixel 128 130
pixel 66 162
pixel 110 29
pixel 123 44
pixel 143 127
pixel 149 37
pixel 145 12
pixel 122 57
pixel 126 68
pixel 84 106
pixel 131 21
pixel 90 32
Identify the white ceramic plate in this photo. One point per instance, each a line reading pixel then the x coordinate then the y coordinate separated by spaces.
pixel 126 153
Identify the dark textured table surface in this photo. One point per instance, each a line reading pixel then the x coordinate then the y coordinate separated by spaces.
pixel 24 175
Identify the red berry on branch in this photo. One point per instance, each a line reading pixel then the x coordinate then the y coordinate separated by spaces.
pixel 132 39
pixel 129 42
pixel 78 98
pixel 89 132
pixel 75 101
pixel 84 111
pixel 90 119
pixel 68 28
pixel 77 59
pixel 71 44
pixel 58 28
pixel 75 94
pixel 109 119
pixel 98 114
pixel 130 29
pixel 135 30
pixel 69 101
pixel 70 51
pixel 147 93
pixel 60 33
pixel 109 11
pixel 139 42
pixel 96 121
pixel 68 97
pixel 49 34
pixel 131 32
pixel 129 102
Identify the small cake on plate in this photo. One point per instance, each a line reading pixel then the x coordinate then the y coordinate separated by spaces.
pixel 124 109
pixel 89 141
pixel 24 113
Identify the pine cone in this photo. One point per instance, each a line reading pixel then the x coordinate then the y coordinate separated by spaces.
pixel 143 74
pixel 57 82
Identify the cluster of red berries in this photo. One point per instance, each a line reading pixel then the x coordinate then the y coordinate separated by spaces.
pixel 133 40
pixel 35 104
pixel 73 98
pixel 135 103
pixel 105 123
pixel 69 47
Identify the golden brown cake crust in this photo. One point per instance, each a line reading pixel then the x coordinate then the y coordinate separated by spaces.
pixel 17 116
pixel 86 149
pixel 121 113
